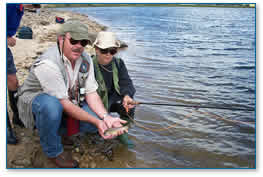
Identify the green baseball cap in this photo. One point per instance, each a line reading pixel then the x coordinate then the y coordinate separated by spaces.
pixel 77 30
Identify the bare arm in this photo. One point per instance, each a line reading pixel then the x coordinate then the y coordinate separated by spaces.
pixel 95 103
pixel 79 114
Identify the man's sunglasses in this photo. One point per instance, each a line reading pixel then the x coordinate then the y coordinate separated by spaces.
pixel 83 42
pixel 112 51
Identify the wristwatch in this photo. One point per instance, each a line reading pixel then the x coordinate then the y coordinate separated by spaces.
pixel 104 116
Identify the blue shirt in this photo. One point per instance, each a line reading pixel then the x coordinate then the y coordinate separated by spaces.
pixel 13 17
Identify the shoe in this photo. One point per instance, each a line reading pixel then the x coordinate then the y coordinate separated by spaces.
pixel 64 160
pixel 124 139
pixel 67 141
pixel 13 105
pixel 11 139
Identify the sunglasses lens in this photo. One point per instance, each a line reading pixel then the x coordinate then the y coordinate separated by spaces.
pixel 85 42
pixel 112 51
pixel 73 41
pixel 104 51
pixel 82 42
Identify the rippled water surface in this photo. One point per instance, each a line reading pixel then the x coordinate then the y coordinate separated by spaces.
pixel 180 54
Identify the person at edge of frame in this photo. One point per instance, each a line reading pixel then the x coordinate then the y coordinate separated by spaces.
pixel 14 16
pixel 61 81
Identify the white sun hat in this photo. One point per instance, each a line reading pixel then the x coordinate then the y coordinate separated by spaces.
pixel 106 40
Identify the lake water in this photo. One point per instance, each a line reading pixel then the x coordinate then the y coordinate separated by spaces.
pixel 187 54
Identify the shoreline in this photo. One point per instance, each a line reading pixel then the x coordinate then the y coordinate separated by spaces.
pixel 214 5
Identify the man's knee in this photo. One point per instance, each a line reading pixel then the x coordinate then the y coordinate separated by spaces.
pixel 50 107
pixel 53 110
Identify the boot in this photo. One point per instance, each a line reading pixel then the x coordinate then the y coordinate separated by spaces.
pixel 11 139
pixel 117 107
pixel 13 105
pixel 124 139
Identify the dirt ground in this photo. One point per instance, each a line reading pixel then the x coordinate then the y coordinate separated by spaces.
pixel 90 150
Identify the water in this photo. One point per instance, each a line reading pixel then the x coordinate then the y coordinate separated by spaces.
pixel 187 54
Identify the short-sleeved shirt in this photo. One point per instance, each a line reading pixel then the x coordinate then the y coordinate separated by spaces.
pixel 52 82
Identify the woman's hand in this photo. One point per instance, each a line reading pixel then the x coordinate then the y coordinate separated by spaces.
pixel 128 103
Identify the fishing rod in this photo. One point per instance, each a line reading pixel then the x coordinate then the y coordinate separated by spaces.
pixel 227 107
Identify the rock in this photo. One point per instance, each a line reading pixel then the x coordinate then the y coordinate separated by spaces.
pixel 18 166
pixel 76 149
pixel 28 66
pixel 34 57
pixel 93 165
pixel 84 165
pixel 39 52
pixel 90 158
pixel 21 163
pixel 44 23
pixel 76 157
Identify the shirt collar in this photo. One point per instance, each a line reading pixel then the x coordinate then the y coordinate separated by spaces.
pixel 67 61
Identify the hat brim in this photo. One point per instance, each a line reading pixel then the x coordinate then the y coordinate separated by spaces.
pixel 108 45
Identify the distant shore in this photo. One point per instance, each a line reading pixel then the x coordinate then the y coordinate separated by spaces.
pixel 216 5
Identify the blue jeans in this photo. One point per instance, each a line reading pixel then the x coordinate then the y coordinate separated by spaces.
pixel 48 113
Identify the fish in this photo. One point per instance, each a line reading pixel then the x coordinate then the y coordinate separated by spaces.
pixel 114 131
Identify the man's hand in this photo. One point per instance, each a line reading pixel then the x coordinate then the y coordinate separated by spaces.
pixel 128 103
pixel 102 127
pixel 113 122
pixel 110 122
pixel 11 41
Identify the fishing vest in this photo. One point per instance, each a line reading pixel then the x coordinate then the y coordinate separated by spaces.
pixel 32 87
pixel 74 93
pixel 102 89
pixel 77 92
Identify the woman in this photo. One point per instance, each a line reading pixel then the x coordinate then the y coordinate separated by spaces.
pixel 115 86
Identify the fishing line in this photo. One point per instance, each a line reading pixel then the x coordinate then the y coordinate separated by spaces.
pixel 197 106
pixel 157 129
pixel 188 116
pixel 224 119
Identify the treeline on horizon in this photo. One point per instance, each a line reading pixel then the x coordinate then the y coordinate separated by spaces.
pixel 225 5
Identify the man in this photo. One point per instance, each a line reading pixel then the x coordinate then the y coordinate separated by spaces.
pixel 115 86
pixel 14 15
pixel 61 82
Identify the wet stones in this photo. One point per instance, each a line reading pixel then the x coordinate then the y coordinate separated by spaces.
pixel 21 163
pixel 44 23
